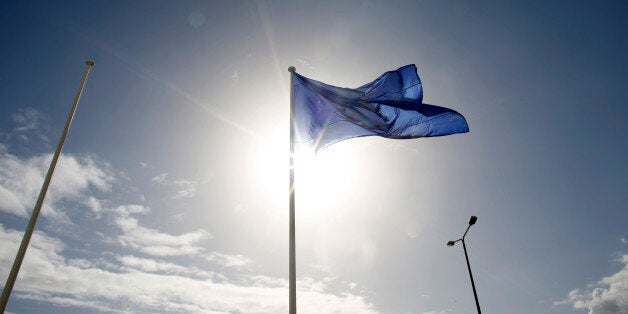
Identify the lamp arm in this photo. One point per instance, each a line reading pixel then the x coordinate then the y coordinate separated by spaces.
pixel 465 232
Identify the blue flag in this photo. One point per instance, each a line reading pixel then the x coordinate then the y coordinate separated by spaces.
pixel 390 106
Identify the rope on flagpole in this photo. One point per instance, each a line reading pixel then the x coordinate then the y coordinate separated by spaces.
pixel 292 275
pixel 17 263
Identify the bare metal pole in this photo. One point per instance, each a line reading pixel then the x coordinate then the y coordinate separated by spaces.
pixel 8 287
pixel 292 275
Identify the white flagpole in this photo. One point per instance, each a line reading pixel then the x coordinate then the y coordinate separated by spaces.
pixel 292 276
pixel 8 287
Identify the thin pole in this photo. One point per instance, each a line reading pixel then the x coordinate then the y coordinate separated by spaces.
pixel 475 294
pixel 293 272
pixel 8 287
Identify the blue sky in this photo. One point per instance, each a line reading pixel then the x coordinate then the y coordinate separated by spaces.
pixel 171 193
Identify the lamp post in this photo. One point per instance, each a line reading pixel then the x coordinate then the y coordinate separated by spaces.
pixel 472 221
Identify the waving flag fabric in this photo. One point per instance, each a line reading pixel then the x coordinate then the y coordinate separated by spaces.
pixel 390 106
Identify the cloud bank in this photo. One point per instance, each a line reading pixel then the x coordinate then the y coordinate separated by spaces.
pixel 142 285
pixel 608 296
pixel 134 268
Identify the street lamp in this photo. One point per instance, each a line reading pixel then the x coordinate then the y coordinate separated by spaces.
pixel 472 221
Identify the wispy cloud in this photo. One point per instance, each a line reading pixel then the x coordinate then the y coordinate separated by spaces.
pixel 153 242
pixel 184 188
pixel 161 178
pixel 306 63
pixel 27 126
pixel 143 239
pixel 129 209
pixel 130 262
pixel 228 260
pixel 99 208
pixel 21 180
pixel 607 296
pixel 26 119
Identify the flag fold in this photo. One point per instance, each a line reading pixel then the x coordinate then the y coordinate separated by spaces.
pixel 391 106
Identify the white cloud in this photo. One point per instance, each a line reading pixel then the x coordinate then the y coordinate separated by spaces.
pixel 23 138
pixel 608 296
pixel 145 285
pixel 306 63
pixel 10 203
pixel 185 188
pixel 94 204
pixel 228 260
pixel 623 240
pixel 261 280
pixel 155 266
pixel 62 301
pixel 412 229
pixel 21 180
pixel 80 263
pixel 98 208
pixel 26 119
pixel 309 284
pixel 128 209
pixel 160 178
pixel 152 242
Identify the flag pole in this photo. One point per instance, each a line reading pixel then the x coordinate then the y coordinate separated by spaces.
pixel 8 287
pixel 292 275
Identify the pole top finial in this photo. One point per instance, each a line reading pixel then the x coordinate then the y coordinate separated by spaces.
pixel 90 63
pixel 292 69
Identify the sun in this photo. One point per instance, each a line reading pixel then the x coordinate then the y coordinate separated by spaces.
pixel 322 181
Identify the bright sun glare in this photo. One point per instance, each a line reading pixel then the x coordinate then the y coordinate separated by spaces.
pixel 321 180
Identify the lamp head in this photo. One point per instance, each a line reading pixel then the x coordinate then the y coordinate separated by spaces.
pixel 472 220
pixel 451 243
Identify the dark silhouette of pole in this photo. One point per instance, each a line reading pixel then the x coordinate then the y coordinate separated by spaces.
pixel 475 294
pixel 17 263
pixel 472 221
pixel 292 279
